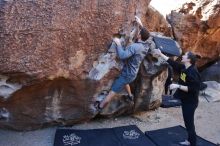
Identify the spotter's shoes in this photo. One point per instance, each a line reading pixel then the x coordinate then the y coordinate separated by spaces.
pixel 186 142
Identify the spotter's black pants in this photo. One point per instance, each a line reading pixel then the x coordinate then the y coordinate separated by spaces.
pixel 188 110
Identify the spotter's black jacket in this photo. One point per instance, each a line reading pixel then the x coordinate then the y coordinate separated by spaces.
pixel 189 77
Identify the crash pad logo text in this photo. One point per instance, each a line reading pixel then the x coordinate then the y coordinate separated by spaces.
pixel 131 134
pixel 71 139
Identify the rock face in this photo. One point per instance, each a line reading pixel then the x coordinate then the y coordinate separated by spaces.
pixel 196 26
pixel 211 73
pixel 156 22
pixel 211 93
pixel 54 61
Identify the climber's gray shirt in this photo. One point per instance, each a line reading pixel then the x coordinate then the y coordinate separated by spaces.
pixel 132 56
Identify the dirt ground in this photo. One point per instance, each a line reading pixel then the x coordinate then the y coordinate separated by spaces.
pixel 207 121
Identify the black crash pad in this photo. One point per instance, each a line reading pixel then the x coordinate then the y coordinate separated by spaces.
pixel 172 136
pixel 119 136
pixel 169 101
pixel 167 46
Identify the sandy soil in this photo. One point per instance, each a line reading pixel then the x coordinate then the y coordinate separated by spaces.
pixel 207 120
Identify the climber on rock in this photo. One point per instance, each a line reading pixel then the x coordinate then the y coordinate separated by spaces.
pixel 132 55
pixel 135 30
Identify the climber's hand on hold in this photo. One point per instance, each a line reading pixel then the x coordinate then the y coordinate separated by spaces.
pixel 138 20
pixel 117 41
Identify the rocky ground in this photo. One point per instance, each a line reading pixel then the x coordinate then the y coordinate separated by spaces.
pixel 207 125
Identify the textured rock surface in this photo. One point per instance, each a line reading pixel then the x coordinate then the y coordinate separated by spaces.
pixel 211 93
pixel 52 39
pixel 54 60
pixel 196 26
pixel 211 73
pixel 156 22
pixel 150 84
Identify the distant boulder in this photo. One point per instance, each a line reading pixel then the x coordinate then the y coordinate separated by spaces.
pixel 196 26
pixel 211 93
pixel 211 73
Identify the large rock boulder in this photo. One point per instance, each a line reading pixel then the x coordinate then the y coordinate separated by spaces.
pixel 54 60
pixel 212 73
pixel 156 22
pixel 196 26
pixel 211 93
